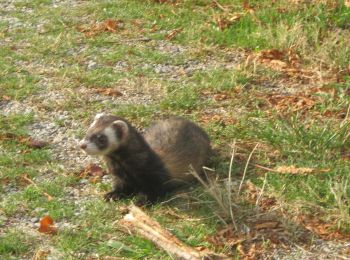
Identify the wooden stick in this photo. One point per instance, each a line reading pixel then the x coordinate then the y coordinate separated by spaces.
pixel 137 222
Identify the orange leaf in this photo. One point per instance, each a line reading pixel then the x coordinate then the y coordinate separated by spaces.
pixel 111 25
pixel 47 226
pixel 92 170
pixel 267 225
pixel 6 98
pixel 108 91
pixel 95 179
pixel 272 54
pixel 248 7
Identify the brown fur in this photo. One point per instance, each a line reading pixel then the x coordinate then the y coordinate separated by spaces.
pixel 181 145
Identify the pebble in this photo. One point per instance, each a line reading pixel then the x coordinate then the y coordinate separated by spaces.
pixel 159 69
pixel 120 65
pixel 83 181
pixel 34 220
pixel 91 65
pixel 39 210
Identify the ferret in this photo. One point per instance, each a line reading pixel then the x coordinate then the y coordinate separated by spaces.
pixel 152 164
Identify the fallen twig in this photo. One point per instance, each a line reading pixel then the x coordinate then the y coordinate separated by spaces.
pixel 137 222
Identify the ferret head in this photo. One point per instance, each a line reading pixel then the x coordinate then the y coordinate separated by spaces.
pixel 105 135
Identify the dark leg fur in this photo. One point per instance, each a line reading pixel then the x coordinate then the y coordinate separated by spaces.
pixel 119 193
pixel 137 170
pixel 145 197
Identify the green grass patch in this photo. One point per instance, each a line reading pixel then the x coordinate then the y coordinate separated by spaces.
pixel 14 244
pixel 18 158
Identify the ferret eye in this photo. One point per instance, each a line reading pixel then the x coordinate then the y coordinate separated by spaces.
pixel 101 139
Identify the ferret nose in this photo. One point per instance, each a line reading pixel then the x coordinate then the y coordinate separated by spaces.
pixel 83 145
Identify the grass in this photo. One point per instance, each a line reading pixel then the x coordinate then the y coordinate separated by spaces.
pixel 298 114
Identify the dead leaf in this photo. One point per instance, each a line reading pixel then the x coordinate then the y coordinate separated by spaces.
pixel 221 97
pixel 47 226
pixel 6 98
pixel 95 170
pixel 221 119
pixel 108 91
pixel 95 179
pixel 248 7
pixel 8 136
pixel 272 54
pixel 173 33
pixel 4 181
pixel 109 25
pixel 293 103
pixel 92 170
pixel 326 230
pixel 227 236
pixel 28 141
pixel 267 203
pixel 138 23
pixel 41 254
pixel 38 144
pixel 267 225
pixel 226 20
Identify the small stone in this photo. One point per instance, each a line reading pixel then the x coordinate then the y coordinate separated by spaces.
pixel 83 181
pixel 145 39
pixel 34 220
pixel 161 69
pixel 91 65
pixel 39 209
pixel 120 64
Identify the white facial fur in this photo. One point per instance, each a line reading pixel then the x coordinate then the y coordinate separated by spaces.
pixel 96 118
pixel 113 142
pixel 91 148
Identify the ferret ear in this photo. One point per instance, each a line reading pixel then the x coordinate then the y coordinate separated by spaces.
pixel 121 128
pixel 98 116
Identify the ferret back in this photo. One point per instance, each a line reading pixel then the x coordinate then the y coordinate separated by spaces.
pixel 181 144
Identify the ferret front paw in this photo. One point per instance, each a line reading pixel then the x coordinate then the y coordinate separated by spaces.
pixel 112 196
